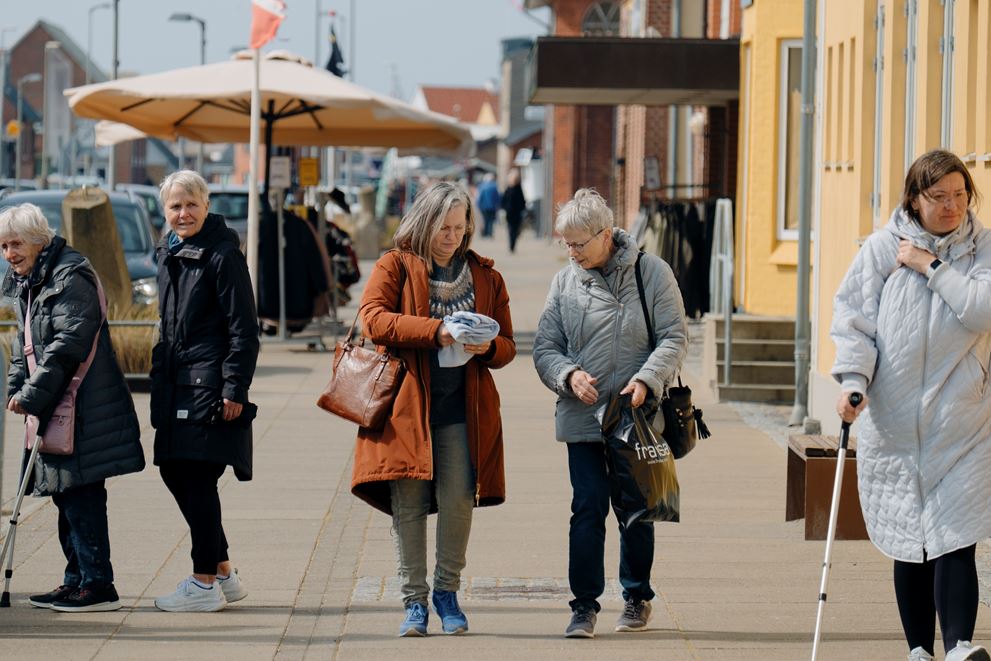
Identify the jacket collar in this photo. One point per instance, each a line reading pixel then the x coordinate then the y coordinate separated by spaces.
pixel 961 241
pixel 214 232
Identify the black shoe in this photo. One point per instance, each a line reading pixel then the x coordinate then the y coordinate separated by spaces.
pixel 45 600
pixel 94 599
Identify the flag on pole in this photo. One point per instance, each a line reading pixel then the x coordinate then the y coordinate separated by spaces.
pixel 335 64
pixel 266 15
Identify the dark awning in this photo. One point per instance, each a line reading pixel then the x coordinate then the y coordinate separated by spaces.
pixel 624 70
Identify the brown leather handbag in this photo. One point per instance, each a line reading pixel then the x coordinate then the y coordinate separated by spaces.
pixel 364 382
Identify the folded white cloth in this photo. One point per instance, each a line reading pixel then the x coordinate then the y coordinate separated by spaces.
pixel 466 328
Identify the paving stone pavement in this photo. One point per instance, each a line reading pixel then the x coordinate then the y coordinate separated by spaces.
pixel 734 581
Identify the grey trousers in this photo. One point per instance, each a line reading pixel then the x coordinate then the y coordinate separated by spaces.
pixel 455 490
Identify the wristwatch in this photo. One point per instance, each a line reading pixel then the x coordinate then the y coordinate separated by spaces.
pixel 933 265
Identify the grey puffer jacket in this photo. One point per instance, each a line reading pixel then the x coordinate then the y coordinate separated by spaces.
pixel 922 349
pixel 593 320
pixel 65 315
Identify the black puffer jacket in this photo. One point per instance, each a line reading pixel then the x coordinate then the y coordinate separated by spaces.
pixel 65 316
pixel 207 351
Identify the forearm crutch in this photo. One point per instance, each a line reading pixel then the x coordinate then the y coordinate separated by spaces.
pixel 834 509
pixel 7 558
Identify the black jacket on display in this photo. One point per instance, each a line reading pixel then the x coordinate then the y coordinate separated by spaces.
pixel 207 349
pixel 306 274
pixel 65 317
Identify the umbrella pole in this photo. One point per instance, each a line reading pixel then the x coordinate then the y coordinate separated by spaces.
pixel 252 247
pixel 268 144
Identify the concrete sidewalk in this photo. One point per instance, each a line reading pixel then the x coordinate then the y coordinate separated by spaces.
pixel 734 581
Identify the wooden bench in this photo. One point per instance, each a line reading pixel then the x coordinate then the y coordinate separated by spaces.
pixel 811 473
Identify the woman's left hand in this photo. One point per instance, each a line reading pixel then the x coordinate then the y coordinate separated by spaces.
pixel 639 390
pixel 231 410
pixel 916 259
pixel 478 349
pixel 14 406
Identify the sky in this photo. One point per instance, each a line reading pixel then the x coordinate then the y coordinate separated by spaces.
pixel 399 44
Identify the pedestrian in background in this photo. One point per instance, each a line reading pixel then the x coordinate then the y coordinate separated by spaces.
pixel 592 345
pixel 488 202
pixel 912 327
pixel 201 371
pixel 441 450
pixel 56 288
pixel 514 204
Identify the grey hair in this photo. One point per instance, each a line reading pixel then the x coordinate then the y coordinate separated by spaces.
pixel 187 180
pixel 587 211
pixel 26 222
pixel 421 224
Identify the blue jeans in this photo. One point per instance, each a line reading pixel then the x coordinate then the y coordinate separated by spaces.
pixel 83 534
pixel 488 221
pixel 454 484
pixel 587 537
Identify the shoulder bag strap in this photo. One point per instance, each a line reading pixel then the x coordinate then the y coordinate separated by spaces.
pixel 32 364
pixel 646 313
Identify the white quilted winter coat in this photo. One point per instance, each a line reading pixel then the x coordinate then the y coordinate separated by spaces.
pixel 922 348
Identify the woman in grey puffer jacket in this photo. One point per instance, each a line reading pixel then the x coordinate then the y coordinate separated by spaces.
pixel 60 287
pixel 912 327
pixel 591 345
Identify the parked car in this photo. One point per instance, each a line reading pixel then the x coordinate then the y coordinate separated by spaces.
pixel 231 202
pixel 133 226
pixel 146 196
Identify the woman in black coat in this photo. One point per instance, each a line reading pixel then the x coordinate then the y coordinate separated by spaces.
pixel 57 287
pixel 201 371
pixel 514 204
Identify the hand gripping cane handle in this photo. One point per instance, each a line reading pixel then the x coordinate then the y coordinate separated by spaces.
pixel 855 399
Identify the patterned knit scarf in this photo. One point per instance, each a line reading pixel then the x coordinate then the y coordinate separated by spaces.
pixel 451 289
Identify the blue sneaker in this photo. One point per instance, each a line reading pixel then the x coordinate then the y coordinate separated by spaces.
pixel 451 618
pixel 415 623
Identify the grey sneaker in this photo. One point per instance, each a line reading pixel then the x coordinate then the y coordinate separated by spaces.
pixel 582 624
pixel 232 587
pixel 965 651
pixel 636 614
pixel 919 654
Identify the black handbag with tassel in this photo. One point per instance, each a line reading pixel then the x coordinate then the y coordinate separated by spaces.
pixel 683 424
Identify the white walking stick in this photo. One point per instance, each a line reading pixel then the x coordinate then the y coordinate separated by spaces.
pixel 834 509
pixel 7 557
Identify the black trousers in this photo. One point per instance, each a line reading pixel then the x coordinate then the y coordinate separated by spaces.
pixel 946 586
pixel 194 486
pixel 84 535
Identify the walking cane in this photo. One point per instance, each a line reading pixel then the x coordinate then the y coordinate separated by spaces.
pixel 834 510
pixel 7 557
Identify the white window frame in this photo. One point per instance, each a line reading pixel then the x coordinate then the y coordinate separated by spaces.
pixel 946 47
pixel 782 170
pixel 878 113
pixel 911 38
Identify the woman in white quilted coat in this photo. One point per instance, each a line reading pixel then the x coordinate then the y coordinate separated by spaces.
pixel 912 327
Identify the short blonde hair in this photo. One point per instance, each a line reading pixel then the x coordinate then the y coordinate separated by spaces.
pixel 587 211
pixel 187 180
pixel 26 222
pixel 420 225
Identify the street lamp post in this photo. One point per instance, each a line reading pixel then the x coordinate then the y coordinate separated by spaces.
pixel 3 86
pixel 24 80
pixel 89 39
pixel 114 63
pixel 186 18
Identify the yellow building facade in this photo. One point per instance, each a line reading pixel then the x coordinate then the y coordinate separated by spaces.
pixel 895 79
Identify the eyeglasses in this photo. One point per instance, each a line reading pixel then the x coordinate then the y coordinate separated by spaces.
pixel 957 199
pixel 579 247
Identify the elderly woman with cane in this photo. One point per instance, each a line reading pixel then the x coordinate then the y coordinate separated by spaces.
pixel 201 370
pixel 63 333
pixel 912 327
pixel 441 448
pixel 592 344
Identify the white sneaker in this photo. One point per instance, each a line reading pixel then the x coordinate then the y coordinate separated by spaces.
pixel 919 654
pixel 965 651
pixel 232 587
pixel 191 598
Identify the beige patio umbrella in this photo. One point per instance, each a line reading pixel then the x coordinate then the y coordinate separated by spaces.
pixel 301 105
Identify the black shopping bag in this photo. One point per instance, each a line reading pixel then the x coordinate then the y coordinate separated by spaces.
pixel 642 476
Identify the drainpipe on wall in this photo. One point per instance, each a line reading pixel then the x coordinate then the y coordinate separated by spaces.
pixel 803 329
pixel 673 111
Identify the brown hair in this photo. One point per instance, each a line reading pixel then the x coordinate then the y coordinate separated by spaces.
pixel 929 169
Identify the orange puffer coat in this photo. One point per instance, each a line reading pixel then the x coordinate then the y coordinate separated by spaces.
pixel 402 450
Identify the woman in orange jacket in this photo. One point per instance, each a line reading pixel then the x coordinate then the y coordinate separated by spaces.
pixel 441 450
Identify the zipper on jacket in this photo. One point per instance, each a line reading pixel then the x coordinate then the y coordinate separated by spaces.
pixel 918 419
pixel 478 438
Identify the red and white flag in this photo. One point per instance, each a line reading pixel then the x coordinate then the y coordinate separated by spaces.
pixel 266 15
